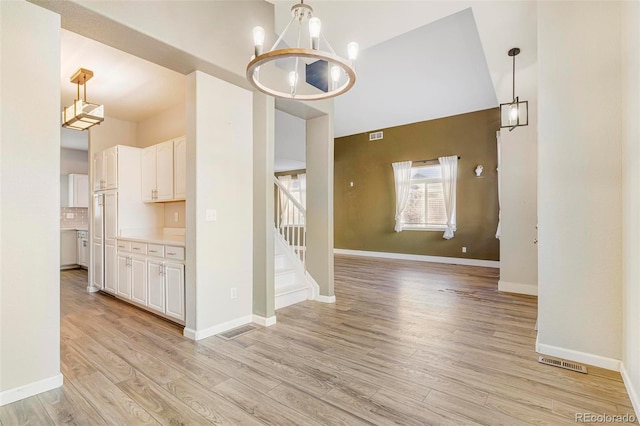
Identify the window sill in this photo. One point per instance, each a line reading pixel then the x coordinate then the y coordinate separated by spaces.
pixel 424 228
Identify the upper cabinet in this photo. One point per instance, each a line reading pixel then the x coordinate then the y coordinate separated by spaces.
pixel 105 166
pixel 78 190
pixel 164 171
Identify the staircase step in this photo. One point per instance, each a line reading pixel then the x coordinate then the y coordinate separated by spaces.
pixel 281 261
pixel 290 295
pixel 284 278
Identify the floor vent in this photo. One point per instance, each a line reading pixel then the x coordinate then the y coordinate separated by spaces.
pixel 376 136
pixel 562 364
pixel 232 334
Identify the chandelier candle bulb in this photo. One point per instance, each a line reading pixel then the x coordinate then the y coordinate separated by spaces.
pixel 352 49
pixel 258 40
pixel 314 32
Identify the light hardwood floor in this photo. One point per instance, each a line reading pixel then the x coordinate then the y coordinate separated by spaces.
pixel 406 342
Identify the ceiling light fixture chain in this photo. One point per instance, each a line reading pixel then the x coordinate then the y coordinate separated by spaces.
pixel 325 73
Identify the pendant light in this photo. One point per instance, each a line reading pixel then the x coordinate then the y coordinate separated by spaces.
pixel 516 112
pixel 283 71
pixel 82 114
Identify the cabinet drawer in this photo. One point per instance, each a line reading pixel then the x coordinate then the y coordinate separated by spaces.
pixel 155 250
pixel 139 248
pixel 124 245
pixel 176 253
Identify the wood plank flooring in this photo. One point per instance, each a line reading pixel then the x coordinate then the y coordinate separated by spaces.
pixel 406 343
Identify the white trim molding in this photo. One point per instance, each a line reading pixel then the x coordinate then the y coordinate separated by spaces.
pixel 31 389
pixel 264 321
pixel 577 356
pixel 325 299
pixel 421 258
pixel 92 289
pixel 192 334
pixel 518 288
pixel 634 394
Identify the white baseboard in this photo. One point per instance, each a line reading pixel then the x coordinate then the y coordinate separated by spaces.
pixel 577 356
pixel 92 289
pixel 25 391
pixel 634 393
pixel 508 287
pixel 263 321
pixel 421 258
pixel 325 299
pixel 192 334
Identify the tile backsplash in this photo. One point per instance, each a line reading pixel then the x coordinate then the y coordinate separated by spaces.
pixel 80 217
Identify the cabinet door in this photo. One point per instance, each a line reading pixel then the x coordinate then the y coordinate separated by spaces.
pixel 110 269
pixel 124 276
pixel 164 171
pixel 80 191
pixel 98 262
pixel 148 173
pixel 68 248
pixel 111 217
pixel 98 224
pixel 138 279
pixel 180 168
pixel 83 248
pixel 111 168
pixel 174 293
pixel 155 285
pixel 98 171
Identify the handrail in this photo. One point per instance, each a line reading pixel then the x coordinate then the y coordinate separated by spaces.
pixel 290 221
pixel 289 196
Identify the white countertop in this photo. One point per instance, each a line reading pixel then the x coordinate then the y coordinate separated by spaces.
pixel 154 237
pixel 74 229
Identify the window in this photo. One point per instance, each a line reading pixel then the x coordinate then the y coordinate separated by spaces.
pixel 425 206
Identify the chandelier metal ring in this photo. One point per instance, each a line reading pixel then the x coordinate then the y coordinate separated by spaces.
pixel 304 53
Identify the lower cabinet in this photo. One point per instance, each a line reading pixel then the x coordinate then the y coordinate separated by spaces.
pixel 110 269
pixel 150 280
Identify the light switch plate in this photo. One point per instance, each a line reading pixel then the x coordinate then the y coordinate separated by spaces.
pixel 212 215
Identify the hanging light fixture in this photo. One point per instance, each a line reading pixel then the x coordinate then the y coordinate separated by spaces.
pixel 516 112
pixel 82 114
pixel 282 71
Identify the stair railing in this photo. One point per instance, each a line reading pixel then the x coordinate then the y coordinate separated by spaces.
pixel 290 220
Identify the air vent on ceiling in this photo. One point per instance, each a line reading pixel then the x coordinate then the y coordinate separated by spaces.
pixel 562 364
pixel 375 136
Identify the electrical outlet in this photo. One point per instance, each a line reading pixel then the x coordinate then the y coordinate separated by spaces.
pixel 69 215
pixel 464 249
pixel 176 217
pixel 211 215
pixel 234 293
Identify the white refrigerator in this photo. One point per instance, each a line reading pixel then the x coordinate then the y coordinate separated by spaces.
pixel 104 241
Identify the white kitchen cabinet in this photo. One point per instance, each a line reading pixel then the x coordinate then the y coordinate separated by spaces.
pixel 180 168
pixel 157 172
pixel 82 244
pixel 174 290
pixel 155 285
pixel 68 248
pixel 138 266
pixel 124 276
pixel 110 217
pixel 78 190
pixel 98 265
pixel 110 269
pixel 105 169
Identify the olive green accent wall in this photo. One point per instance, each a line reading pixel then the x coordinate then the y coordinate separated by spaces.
pixel 364 213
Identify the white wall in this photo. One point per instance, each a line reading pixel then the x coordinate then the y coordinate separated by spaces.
pixel 110 132
pixel 631 198
pixel 30 196
pixel 220 177
pixel 73 161
pixel 290 150
pixel 579 182
pixel 168 124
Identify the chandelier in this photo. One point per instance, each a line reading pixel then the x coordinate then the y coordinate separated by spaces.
pixel 277 71
pixel 82 114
